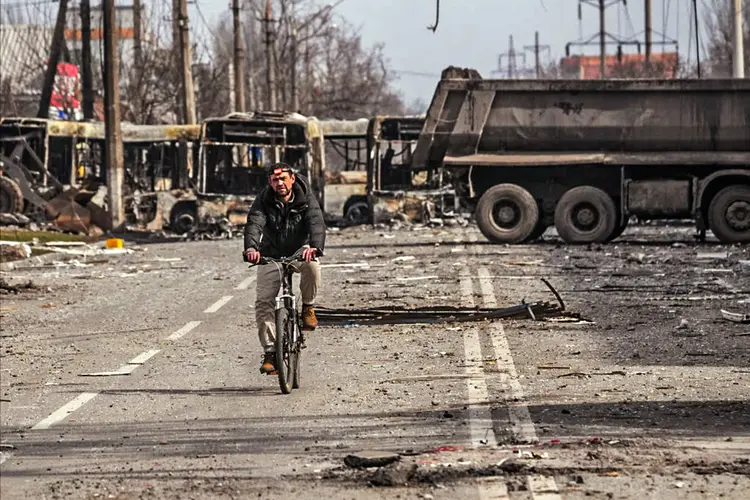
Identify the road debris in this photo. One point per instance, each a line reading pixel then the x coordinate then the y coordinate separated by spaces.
pixel 365 459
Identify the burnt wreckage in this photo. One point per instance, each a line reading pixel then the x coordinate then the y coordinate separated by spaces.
pixel 53 172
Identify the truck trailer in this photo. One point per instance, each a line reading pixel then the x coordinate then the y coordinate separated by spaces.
pixel 586 155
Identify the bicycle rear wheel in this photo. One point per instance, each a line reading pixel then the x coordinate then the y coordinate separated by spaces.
pixel 285 351
pixel 297 349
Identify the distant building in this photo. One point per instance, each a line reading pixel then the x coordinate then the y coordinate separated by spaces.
pixel 663 65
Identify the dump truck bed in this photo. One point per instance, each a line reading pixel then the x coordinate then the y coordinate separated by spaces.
pixel 470 116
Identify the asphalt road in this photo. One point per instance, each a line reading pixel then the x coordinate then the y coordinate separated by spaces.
pixel 137 376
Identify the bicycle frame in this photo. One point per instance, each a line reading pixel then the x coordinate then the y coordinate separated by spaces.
pixel 287 299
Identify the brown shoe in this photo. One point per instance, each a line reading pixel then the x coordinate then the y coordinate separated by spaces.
pixel 309 321
pixel 268 367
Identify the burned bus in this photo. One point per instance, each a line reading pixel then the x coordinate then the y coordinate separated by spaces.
pixel 233 154
pixel 54 171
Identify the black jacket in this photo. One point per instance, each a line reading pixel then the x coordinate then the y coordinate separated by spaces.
pixel 278 229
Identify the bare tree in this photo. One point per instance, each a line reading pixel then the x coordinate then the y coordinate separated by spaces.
pixel 719 29
pixel 336 76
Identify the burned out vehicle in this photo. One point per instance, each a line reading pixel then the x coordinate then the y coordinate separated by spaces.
pixel 53 171
pixel 345 188
pixel 230 172
pixel 159 161
pixel 585 156
pixel 44 167
pixel 396 187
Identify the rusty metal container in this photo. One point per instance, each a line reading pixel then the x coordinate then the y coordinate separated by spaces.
pixel 470 116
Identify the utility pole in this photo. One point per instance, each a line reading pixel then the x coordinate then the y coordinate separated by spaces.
pixel 136 86
pixel 647 8
pixel 113 155
pixel 270 66
pixel 188 96
pixel 738 62
pixel 86 75
pixel 537 49
pixel 295 86
pixel 239 60
pixel 602 43
pixel 58 40
pixel 137 37
pixel 697 38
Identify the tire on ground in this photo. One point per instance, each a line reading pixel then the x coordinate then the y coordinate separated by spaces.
pixel 357 213
pixel 183 217
pixel 729 214
pixel 507 213
pixel 11 197
pixel 586 214
pixel 619 229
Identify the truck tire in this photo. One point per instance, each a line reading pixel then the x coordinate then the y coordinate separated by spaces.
pixel 729 214
pixel 507 213
pixel 11 197
pixel 619 229
pixel 585 214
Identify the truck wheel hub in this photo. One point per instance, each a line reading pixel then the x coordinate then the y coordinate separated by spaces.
pixel 738 215
pixel 506 215
pixel 585 217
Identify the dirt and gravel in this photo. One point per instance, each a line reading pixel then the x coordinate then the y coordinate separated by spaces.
pixel 643 392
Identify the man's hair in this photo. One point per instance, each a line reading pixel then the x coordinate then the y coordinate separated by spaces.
pixel 278 168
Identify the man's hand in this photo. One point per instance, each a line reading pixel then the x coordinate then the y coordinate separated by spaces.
pixel 252 255
pixel 309 254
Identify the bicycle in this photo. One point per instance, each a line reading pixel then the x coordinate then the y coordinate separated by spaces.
pixel 289 337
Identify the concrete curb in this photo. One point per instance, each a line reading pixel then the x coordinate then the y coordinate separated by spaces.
pixel 37 261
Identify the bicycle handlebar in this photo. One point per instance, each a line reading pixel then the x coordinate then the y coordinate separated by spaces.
pixel 297 256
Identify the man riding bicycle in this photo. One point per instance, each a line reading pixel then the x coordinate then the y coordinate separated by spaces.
pixel 283 218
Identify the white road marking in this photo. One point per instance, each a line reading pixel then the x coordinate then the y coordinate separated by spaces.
pixel 481 432
pixel 65 411
pixel 543 488
pixel 219 304
pixel 123 370
pixel 143 357
pixel 519 411
pixel 184 330
pixel 493 488
pixel 245 283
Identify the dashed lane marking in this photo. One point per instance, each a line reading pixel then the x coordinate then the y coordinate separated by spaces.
pixel 189 327
pixel 523 426
pixel 65 411
pixel 219 304
pixel 245 283
pixel 143 357
pixel 481 432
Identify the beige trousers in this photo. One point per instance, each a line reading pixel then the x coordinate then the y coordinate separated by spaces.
pixel 267 287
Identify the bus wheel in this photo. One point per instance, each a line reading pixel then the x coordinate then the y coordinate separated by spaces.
pixel 357 213
pixel 11 197
pixel 585 214
pixel 729 214
pixel 183 217
pixel 507 213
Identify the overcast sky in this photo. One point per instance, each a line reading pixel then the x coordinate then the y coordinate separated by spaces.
pixel 471 33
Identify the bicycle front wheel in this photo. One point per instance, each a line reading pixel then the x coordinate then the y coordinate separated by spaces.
pixel 286 361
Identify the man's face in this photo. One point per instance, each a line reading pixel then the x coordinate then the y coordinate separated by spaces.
pixel 281 182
